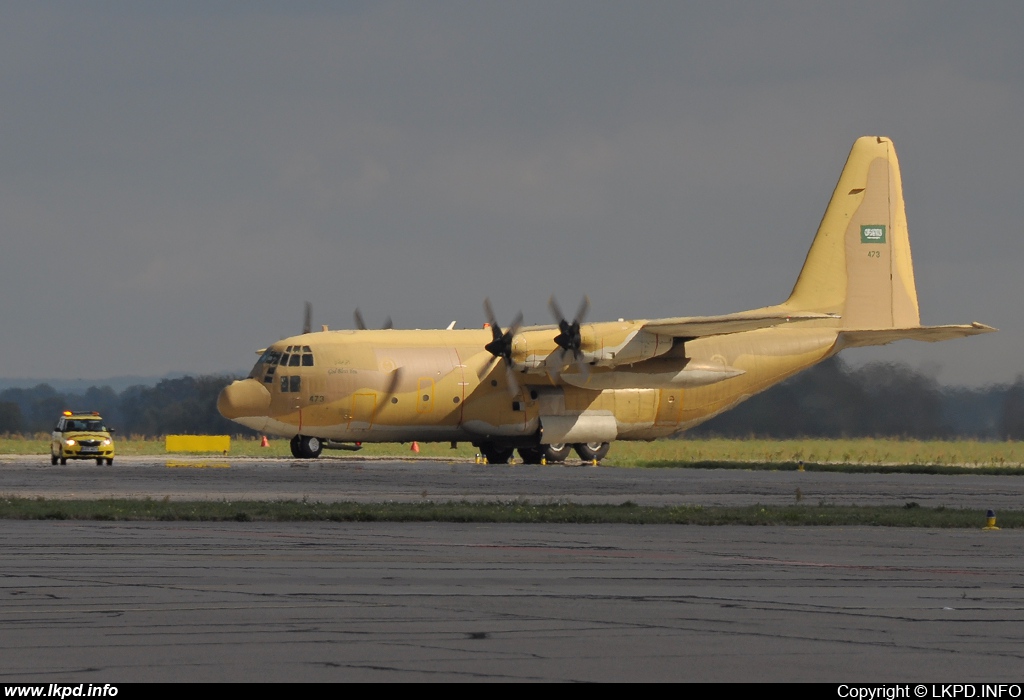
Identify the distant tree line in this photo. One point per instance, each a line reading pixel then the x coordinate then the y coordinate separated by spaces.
pixel 877 400
pixel 828 400
pixel 184 406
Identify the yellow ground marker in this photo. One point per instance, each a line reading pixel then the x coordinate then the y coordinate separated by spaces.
pixel 198 443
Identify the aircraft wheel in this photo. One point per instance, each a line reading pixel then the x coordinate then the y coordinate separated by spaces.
pixel 296 447
pixel 53 458
pixel 529 455
pixel 495 454
pixel 556 453
pixel 589 451
pixel 310 447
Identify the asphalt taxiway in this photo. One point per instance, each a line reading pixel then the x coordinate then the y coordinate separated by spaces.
pixel 118 602
pixel 347 478
pixel 102 602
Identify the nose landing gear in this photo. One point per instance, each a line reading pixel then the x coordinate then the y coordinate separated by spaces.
pixel 306 447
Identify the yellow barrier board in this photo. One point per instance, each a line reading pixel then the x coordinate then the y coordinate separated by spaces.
pixel 198 443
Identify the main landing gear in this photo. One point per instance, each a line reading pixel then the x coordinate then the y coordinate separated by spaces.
pixel 589 451
pixel 495 454
pixel 306 447
pixel 550 454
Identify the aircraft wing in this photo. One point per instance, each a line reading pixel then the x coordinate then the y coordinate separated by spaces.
pixel 931 334
pixel 699 326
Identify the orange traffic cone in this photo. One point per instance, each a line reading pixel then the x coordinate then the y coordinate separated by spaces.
pixel 415 447
pixel 264 442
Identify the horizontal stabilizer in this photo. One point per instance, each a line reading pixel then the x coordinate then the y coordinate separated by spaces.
pixel 700 326
pixel 930 334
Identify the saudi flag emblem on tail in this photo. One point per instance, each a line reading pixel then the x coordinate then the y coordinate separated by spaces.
pixel 872 234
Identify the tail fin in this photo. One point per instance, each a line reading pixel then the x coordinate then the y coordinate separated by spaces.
pixel 859 265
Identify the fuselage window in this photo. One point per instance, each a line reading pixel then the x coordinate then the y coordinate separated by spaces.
pixel 295 383
pixel 307 360
pixel 294 360
pixel 284 360
pixel 284 383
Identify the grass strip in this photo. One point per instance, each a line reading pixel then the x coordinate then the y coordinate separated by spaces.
pixel 521 511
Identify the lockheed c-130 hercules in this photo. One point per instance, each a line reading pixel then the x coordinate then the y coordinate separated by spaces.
pixel 545 390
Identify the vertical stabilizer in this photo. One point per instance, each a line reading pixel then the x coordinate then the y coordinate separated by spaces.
pixel 859 265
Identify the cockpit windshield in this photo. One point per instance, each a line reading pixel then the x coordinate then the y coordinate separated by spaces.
pixel 290 356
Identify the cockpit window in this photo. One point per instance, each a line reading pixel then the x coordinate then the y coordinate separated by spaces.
pixel 290 384
pixel 293 356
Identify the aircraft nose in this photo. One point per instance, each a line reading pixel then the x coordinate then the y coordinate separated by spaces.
pixel 243 398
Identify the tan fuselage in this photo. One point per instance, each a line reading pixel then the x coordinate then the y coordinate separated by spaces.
pixel 396 386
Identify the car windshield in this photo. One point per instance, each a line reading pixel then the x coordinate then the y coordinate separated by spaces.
pixel 95 426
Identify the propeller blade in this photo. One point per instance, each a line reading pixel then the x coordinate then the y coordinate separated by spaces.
pixel 511 383
pixel 581 312
pixel 307 321
pixel 492 321
pixel 361 323
pixel 396 377
pixel 488 366
pixel 555 311
pixel 517 323
pixel 583 369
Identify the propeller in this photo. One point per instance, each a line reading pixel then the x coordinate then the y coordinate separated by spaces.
pixel 569 337
pixel 361 324
pixel 501 346
pixel 392 387
pixel 307 319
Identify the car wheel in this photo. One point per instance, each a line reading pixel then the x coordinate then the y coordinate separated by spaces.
pixel 99 461
pixel 310 447
pixel 556 453
pixel 110 461
pixel 589 451
pixel 63 460
pixel 53 458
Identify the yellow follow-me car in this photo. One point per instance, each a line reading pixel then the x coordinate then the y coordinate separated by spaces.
pixel 81 435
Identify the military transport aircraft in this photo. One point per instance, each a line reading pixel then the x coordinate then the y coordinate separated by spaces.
pixel 546 390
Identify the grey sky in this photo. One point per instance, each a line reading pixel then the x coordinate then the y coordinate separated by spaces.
pixel 176 180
